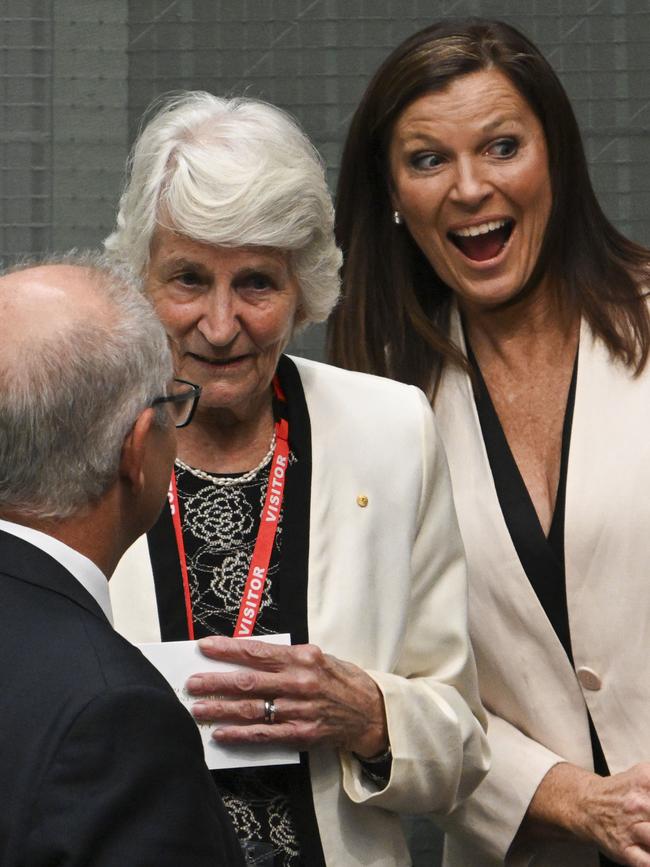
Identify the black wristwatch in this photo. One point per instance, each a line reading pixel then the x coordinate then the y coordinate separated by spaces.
pixel 377 768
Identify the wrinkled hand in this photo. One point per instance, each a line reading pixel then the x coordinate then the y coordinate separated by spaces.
pixel 319 699
pixel 617 814
pixel 612 813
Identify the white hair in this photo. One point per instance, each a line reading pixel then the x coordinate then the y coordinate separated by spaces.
pixel 68 401
pixel 234 173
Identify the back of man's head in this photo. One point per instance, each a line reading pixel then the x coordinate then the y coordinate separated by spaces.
pixel 82 355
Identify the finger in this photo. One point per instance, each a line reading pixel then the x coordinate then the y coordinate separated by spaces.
pixel 640 834
pixel 247 712
pixel 253 711
pixel 264 656
pixel 299 736
pixel 636 856
pixel 256 684
pixel 255 654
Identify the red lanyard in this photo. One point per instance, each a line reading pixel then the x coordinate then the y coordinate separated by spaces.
pixel 258 570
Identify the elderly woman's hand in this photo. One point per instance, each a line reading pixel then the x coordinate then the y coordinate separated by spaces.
pixel 318 698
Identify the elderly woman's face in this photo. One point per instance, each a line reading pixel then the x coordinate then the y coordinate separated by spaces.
pixel 469 175
pixel 229 314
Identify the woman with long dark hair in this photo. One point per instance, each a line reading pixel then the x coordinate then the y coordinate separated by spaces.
pixel 480 267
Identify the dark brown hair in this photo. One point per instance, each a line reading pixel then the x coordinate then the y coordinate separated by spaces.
pixel 393 319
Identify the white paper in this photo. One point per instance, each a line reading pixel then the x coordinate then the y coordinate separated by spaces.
pixel 177 661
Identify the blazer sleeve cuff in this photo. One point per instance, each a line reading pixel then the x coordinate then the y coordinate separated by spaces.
pixel 490 818
pixel 436 744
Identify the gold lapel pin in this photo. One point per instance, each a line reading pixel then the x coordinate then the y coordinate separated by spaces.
pixel 362 501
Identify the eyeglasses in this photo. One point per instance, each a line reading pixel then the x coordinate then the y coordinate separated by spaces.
pixel 183 400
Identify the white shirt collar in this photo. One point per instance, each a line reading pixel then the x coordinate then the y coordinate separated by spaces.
pixel 84 570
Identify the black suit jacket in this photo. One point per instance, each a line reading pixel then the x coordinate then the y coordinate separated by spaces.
pixel 99 763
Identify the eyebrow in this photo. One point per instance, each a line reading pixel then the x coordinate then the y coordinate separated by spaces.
pixel 257 268
pixel 411 135
pixel 500 121
pixel 274 271
pixel 182 262
pixel 269 266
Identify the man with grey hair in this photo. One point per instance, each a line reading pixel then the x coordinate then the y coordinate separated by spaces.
pixel 99 762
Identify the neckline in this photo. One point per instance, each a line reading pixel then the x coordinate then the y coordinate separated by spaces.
pixel 499 451
pixel 226 480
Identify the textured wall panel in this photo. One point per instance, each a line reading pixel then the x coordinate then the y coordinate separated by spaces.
pixel 76 77
pixel 26 36
pixel 89 129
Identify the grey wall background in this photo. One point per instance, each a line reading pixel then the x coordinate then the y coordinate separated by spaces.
pixel 76 76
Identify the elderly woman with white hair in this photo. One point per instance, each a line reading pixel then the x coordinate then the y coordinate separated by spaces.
pixel 305 500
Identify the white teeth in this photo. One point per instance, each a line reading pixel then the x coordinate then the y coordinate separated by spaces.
pixel 482 229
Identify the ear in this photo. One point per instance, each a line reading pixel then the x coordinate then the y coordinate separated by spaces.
pixel 134 451
pixel 299 319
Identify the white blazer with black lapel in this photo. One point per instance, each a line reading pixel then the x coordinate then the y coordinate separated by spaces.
pixel 387 591
pixel 536 700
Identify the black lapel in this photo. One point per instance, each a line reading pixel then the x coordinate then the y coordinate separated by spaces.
pixel 293 586
pixel 295 519
pixel 167 577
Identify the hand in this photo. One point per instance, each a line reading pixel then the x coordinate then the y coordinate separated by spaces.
pixel 612 813
pixel 617 815
pixel 319 699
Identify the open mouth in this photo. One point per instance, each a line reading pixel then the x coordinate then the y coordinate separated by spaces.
pixel 484 241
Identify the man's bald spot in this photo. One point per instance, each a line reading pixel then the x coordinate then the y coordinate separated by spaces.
pixel 41 301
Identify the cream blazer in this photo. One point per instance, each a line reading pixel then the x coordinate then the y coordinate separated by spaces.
pixel 387 591
pixel 536 700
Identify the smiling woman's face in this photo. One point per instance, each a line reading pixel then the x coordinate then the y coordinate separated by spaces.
pixel 469 175
pixel 229 314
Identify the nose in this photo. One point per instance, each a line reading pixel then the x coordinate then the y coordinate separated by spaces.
pixel 219 323
pixel 471 185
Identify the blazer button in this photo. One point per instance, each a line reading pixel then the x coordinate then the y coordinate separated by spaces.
pixel 588 679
